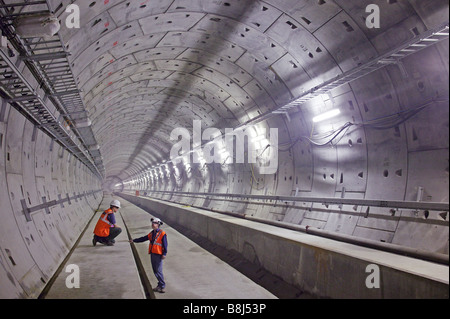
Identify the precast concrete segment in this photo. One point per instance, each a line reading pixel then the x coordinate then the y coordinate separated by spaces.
pixel 190 271
pixel 35 170
pixel 320 266
pixel 105 272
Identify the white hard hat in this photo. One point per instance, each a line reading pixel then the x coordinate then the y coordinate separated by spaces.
pixel 157 220
pixel 115 203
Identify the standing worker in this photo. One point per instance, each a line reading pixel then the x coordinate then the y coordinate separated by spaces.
pixel 106 229
pixel 157 250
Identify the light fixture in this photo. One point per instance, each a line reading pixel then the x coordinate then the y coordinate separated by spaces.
pixel 326 116
pixel 258 138
pixel 37 26
pixel 83 123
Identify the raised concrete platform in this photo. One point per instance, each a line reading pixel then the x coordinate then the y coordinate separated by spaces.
pixel 319 266
pixel 110 272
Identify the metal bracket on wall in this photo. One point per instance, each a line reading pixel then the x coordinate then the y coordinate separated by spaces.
pixel 47 205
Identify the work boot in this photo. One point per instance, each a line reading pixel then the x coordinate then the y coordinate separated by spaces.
pixel 159 289
pixel 94 241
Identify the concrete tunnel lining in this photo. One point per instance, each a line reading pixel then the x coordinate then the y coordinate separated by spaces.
pixel 142 70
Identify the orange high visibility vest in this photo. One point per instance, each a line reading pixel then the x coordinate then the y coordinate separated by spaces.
pixel 103 224
pixel 157 246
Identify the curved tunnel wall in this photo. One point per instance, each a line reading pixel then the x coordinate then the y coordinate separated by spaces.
pixel 34 170
pixel 402 162
pixel 168 63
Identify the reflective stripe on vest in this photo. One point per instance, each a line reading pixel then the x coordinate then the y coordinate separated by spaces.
pixel 103 224
pixel 157 246
pixel 105 217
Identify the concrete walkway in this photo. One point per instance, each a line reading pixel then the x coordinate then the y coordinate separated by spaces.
pixel 190 271
pixel 111 272
pixel 106 272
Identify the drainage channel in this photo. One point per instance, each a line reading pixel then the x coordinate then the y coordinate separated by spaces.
pixel 146 285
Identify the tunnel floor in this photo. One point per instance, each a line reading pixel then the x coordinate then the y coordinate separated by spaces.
pixel 111 272
pixel 198 268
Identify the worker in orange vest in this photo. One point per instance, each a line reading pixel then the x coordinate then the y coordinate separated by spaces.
pixel 106 229
pixel 157 250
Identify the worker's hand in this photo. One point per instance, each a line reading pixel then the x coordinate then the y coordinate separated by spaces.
pixel 163 257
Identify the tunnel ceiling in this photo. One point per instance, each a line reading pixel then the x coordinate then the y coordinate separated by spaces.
pixel 147 67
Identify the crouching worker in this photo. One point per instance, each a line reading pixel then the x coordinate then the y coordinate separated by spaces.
pixel 157 250
pixel 106 229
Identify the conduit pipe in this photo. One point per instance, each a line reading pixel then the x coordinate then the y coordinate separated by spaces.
pixel 388 247
pixel 444 207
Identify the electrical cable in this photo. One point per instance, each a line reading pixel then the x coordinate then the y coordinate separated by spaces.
pixel 382 123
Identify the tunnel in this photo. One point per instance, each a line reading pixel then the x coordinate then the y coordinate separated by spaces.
pixel 327 119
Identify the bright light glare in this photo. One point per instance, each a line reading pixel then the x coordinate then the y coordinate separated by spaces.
pixel 258 138
pixel 326 116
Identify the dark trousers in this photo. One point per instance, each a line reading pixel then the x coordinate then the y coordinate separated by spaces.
pixel 113 233
pixel 157 266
